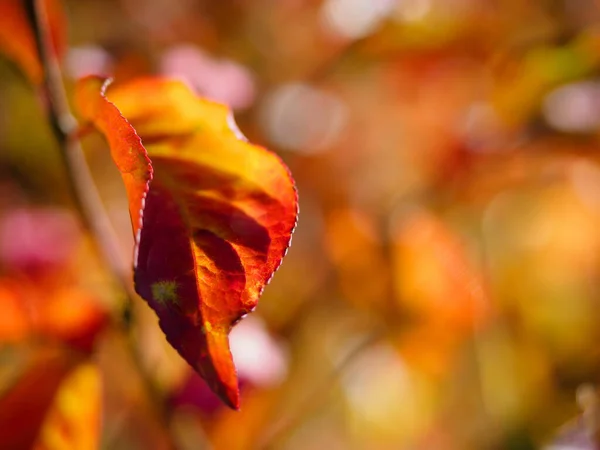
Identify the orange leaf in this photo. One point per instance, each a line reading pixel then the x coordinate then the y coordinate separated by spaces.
pixel 215 223
pixel 78 326
pixel 15 323
pixel 45 309
pixel 17 40
pixel 435 279
pixel 439 287
pixel 125 145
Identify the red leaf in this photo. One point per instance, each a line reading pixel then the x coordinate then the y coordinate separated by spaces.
pixel 17 40
pixel 216 221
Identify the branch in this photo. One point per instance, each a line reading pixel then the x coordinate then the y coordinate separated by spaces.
pixel 79 179
pixel 83 189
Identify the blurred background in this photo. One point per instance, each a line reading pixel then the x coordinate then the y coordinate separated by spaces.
pixel 442 290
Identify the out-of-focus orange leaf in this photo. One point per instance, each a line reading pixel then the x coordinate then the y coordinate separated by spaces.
pixel 215 223
pixel 14 321
pixel 23 405
pixel 438 286
pixel 62 313
pixel 17 40
pixel 41 294
pixel 73 421
pixel 353 245
pixel 73 316
pixel 435 279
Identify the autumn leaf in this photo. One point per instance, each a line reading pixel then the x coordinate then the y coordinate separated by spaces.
pixel 17 40
pixel 23 404
pixel 435 279
pixel 73 420
pixel 213 216
pixel 438 287
pixel 41 309
pixel 15 323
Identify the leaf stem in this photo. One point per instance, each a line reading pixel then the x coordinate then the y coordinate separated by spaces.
pixel 79 178
pixel 88 202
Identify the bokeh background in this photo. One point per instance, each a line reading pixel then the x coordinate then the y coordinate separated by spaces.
pixel 442 290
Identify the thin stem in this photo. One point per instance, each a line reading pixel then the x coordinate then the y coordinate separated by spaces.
pixel 83 189
pixel 80 181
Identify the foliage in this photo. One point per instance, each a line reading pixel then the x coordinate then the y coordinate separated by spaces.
pixel 442 288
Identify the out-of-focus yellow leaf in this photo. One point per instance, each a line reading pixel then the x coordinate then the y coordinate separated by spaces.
pixel 73 421
pixel 23 405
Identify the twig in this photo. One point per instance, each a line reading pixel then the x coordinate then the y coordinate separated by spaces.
pixel 79 179
pixel 81 184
